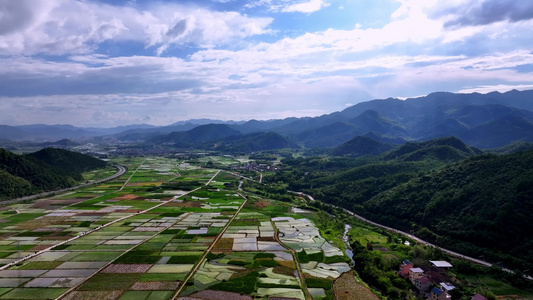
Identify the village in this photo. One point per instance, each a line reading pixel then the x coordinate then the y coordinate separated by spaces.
pixel 431 281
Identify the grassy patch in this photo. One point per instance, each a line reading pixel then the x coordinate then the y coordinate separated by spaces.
pixel 244 284
pixel 163 277
pixel 139 257
pixel 264 255
pixel 304 257
pixel 319 283
pixel 34 293
pixel 335 259
pixel 40 265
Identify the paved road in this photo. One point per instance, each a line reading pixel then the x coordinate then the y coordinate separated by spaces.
pixel 120 170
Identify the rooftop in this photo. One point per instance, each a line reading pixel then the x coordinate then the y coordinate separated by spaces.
pixel 478 297
pixel 441 264
pixel 416 270
pixel 437 291
pixel 447 286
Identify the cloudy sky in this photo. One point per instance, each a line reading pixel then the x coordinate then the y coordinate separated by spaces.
pixel 116 62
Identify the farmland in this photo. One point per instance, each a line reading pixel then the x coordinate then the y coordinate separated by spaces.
pixel 164 230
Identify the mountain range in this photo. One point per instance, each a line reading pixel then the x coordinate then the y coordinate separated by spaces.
pixel 481 120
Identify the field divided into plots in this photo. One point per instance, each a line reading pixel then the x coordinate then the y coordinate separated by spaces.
pixel 141 236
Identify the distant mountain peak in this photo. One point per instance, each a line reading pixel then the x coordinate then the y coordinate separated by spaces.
pixel 361 146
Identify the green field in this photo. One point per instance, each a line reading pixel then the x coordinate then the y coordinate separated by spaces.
pixel 144 234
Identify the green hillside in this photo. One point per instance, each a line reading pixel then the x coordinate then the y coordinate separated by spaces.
pixel 254 142
pixel 73 163
pixel 45 170
pixel 481 205
pixel 361 146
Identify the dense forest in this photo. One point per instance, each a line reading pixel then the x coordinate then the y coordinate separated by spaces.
pixel 443 190
pixel 45 170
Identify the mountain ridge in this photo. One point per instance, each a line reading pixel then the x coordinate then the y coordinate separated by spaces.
pixel 439 114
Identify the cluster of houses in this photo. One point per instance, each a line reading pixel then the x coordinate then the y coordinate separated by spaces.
pixel 431 281
pixel 255 166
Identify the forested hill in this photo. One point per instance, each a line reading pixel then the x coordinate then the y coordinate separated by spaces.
pixel 484 201
pixel 72 162
pixel 481 205
pixel 45 170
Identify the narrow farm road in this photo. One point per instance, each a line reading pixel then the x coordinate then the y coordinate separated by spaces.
pixel 131 176
pixel 219 236
pixel 296 261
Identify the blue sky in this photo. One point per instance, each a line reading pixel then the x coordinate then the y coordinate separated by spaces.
pixel 116 62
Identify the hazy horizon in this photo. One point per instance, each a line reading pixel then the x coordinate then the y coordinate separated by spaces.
pixel 110 63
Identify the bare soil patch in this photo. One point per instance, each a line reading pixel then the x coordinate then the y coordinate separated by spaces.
pixel 185 204
pixel 346 288
pixel 127 268
pixel 262 203
pixel 41 222
pixel 91 214
pixel 155 286
pixel 91 295
pixel 40 247
pixel 126 197
pixel 224 244
pixel 286 263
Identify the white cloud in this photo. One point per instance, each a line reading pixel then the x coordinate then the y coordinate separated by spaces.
pixel 306 7
pixel 68 27
pixel 502 88
pixel 411 55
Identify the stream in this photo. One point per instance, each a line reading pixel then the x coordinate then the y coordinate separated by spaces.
pixel 346 240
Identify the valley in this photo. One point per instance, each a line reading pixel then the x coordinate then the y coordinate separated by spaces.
pixel 299 208
pixel 118 241
pixel 172 228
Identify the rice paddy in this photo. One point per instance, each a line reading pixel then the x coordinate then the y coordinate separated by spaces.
pixel 142 237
